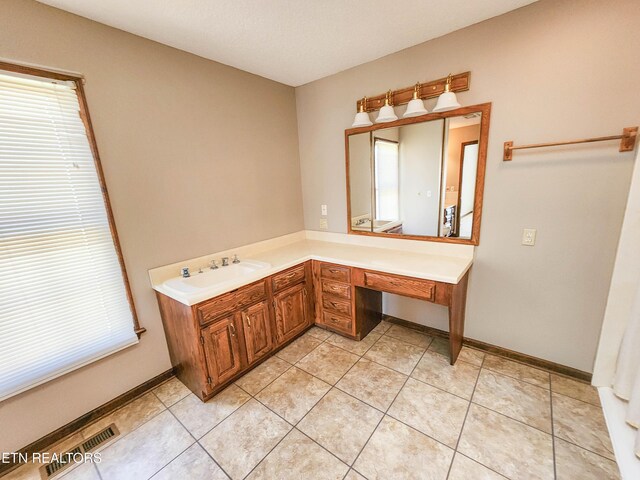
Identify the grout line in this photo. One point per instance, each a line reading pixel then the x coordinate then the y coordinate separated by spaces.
pixel 390 405
pixel 553 392
pixel 585 449
pixel 482 464
pixel 553 436
pixel 464 421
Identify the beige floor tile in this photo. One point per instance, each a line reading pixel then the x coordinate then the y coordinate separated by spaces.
pixel 298 348
pixel 243 439
pixel 582 424
pixel 86 471
pixel 262 375
pixel 293 394
pixel 297 457
pixel 409 335
pixel 575 389
pixel 199 417
pixel 171 391
pixel 341 424
pixel 372 383
pixel 509 447
pixel 319 333
pixel 398 452
pixel 327 362
pixel 382 327
pixel 128 417
pixel 464 468
pixel 519 400
pixel 435 370
pixel 145 450
pixel 194 463
pixel 441 345
pixel 353 346
pixel 395 354
pixel 432 411
pixel 573 462
pixel 472 356
pixel 353 475
pixel 516 370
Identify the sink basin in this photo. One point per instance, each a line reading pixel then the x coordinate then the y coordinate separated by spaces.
pixel 214 278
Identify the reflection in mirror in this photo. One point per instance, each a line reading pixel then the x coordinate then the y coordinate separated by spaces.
pixel 459 177
pixel 417 179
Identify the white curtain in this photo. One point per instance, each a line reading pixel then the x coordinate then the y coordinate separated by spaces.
pixel 627 380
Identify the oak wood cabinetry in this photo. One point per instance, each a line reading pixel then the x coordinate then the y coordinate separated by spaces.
pixel 214 342
pixel 221 349
pixel 340 306
pixel 292 312
pixel 256 325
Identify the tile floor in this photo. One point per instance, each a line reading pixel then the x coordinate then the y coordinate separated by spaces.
pixel 389 407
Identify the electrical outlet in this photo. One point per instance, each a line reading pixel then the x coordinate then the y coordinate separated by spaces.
pixel 529 237
pixel 324 224
pixel 323 210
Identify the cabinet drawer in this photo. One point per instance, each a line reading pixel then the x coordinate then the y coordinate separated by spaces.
pixel 232 301
pixel 337 322
pixel 335 288
pixel 335 272
pixel 336 305
pixel 288 277
pixel 412 287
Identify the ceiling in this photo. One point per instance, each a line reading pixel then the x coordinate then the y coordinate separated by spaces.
pixel 291 41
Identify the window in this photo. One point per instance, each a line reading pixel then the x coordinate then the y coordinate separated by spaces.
pixel 386 173
pixel 64 301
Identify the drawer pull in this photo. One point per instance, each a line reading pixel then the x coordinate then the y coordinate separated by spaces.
pixel 232 327
pixel 247 319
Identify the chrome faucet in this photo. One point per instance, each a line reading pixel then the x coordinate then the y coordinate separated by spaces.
pixel 213 264
pixel 225 261
pixel 236 259
pixel 185 272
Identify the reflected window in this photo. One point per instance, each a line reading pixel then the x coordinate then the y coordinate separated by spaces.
pixel 386 173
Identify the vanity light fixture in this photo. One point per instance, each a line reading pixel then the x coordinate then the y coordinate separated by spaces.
pixel 387 114
pixel 415 107
pixel 362 117
pixel 447 99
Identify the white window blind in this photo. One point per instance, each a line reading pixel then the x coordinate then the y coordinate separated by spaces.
pixel 387 180
pixel 63 301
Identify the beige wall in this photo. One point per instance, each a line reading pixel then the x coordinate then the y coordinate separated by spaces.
pixel 197 156
pixel 554 70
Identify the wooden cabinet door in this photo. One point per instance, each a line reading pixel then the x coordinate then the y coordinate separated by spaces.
pixel 222 350
pixel 292 312
pixel 257 331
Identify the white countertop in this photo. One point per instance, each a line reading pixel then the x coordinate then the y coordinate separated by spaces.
pixel 440 262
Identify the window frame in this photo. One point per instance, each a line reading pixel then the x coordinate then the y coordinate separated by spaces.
pixel 78 80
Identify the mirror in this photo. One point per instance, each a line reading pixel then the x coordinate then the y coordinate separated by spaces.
pixel 419 178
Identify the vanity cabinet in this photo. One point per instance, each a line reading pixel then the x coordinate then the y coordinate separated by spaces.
pixel 215 341
pixel 256 326
pixel 221 350
pixel 292 312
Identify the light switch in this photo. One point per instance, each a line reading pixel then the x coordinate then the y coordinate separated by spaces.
pixel 324 224
pixel 323 210
pixel 529 237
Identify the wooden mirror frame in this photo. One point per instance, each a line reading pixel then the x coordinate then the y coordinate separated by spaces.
pixel 485 110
